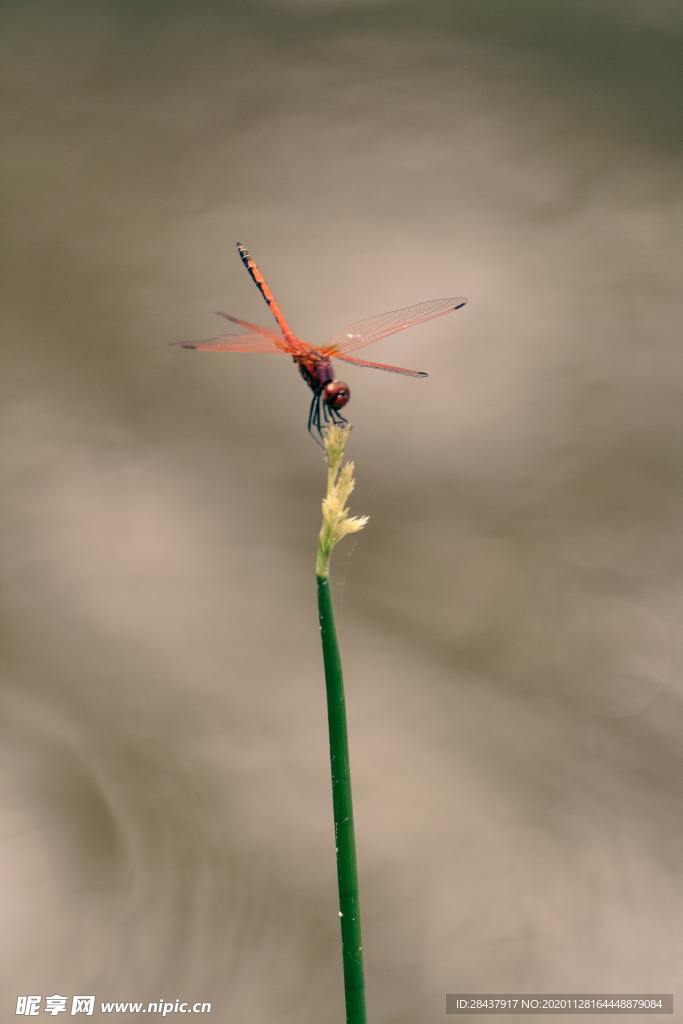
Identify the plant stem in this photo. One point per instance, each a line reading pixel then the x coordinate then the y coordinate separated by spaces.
pixel 347 875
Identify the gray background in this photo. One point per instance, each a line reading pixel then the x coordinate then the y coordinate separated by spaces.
pixel 510 619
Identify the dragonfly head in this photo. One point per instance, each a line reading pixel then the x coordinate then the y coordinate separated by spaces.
pixel 336 394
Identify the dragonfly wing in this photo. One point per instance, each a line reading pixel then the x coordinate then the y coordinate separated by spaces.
pixel 381 366
pixel 236 343
pixel 259 339
pixel 365 332
pixel 252 328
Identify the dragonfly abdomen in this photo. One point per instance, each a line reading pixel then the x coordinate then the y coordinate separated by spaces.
pixel 259 280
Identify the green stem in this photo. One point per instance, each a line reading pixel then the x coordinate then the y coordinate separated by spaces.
pixel 347 875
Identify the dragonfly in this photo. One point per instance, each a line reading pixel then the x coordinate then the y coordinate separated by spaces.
pixel 330 395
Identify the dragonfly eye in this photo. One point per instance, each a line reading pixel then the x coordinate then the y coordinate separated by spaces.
pixel 336 394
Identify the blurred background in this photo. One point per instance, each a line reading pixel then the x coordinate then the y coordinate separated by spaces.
pixel 510 620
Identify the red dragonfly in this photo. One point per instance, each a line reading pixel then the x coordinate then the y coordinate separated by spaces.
pixel 315 361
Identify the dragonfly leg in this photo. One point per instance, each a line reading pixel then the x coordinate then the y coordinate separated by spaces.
pixel 311 412
pixel 314 426
pixel 337 416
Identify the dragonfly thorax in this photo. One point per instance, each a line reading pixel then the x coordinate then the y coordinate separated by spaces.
pixel 319 375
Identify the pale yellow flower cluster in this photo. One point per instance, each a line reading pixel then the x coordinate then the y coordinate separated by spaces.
pixel 337 522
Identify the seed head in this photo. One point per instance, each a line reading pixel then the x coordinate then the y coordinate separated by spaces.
pixel 337 522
